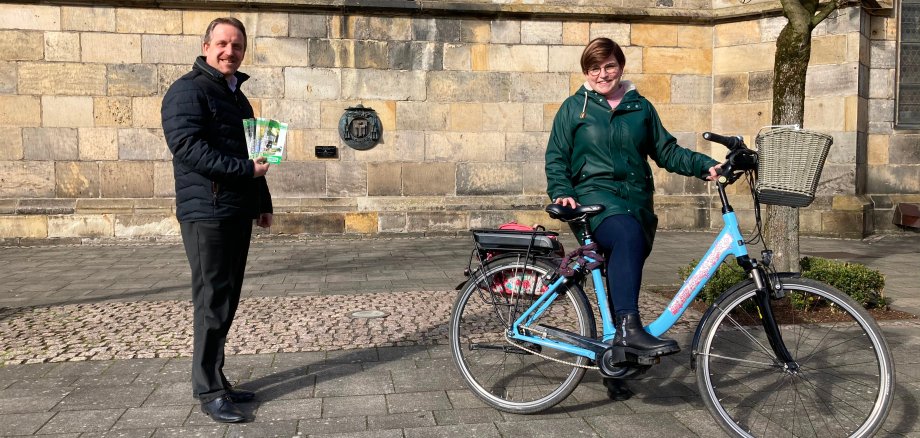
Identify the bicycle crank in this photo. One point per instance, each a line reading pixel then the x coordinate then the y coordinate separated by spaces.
pixel 618 362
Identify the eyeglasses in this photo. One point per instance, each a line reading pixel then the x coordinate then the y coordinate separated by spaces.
pixel 609 69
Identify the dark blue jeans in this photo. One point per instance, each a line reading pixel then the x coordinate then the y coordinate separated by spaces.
pixel 623 245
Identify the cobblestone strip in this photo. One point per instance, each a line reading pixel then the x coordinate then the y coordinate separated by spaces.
pixel 119 330
pixel 126 330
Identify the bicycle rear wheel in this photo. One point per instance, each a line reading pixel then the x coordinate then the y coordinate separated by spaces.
pixel 507 376
pixel 844 383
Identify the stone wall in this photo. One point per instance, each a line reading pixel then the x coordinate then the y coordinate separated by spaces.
pixel 466 92
pixel 893 155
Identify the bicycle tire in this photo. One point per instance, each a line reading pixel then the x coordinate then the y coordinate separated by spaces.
pixel 845 383
pixel 512 380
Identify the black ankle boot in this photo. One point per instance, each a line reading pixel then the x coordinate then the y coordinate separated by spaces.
pixel 617 390
pixel 632 336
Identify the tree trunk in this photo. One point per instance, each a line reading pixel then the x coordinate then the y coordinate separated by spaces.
pixel 793 50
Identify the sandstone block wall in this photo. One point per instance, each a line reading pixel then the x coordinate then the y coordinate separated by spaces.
pixel 466 95
pixel 892 153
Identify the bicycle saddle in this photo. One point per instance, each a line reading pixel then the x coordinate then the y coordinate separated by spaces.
pixel 568 214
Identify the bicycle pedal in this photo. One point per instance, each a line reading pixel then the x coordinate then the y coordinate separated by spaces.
pixel 624 356
pixel 632 358
pixel 648 360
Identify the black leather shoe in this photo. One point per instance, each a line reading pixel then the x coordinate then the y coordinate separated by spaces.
pixel 617 390
pixel 241 395
pixel 633 337
pixel 223 410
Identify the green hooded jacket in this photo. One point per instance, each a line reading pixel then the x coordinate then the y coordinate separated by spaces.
pixel 602 156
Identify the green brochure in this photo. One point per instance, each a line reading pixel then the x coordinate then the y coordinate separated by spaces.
pixel 265 138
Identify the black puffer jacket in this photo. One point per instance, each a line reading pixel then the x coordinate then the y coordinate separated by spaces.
pixel 203 125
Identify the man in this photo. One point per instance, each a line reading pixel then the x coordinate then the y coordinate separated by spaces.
pixel 219 191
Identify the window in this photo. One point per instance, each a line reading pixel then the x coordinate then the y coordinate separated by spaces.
pixel 908 100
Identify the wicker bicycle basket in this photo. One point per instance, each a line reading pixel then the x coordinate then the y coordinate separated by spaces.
pixel 790 165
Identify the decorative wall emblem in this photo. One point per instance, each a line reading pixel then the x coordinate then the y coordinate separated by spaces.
pixel 360 127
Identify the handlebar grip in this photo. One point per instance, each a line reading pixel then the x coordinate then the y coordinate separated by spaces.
pixel 732 143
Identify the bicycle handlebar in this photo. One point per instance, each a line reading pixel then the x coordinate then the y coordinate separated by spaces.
pixel 732 143
pixel 739 157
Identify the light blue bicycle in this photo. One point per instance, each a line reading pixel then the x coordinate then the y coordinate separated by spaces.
pixel 523 334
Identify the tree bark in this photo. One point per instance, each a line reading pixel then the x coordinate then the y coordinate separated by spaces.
pixel 793 51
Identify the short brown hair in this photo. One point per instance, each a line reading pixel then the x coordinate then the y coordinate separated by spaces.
pixel 598 50
pixel 226 20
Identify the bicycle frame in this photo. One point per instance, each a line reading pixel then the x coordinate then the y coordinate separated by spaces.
pixel 728 242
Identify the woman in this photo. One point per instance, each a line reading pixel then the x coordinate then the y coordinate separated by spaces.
pixel 597 152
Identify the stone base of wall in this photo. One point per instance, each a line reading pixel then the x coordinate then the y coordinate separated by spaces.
pixel 883 214
pixel 63 221
pixel 845 216
pixel 839 216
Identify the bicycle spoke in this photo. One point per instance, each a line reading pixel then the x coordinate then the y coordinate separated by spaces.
pixel 776 393
pixel 744 361
pixel 815 351
pixel 768 352
pixel 819 389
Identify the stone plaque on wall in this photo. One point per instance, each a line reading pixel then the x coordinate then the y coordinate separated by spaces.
pixel 360 127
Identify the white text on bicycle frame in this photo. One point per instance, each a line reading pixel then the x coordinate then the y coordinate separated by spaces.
pixel 706 267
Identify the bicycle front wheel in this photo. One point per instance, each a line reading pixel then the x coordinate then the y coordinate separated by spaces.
pixel 845 377
pixel 515 377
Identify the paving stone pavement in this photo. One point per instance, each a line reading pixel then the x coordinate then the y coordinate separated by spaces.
pixel 94 341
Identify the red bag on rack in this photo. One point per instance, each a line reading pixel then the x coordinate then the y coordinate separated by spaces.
pixel 514 226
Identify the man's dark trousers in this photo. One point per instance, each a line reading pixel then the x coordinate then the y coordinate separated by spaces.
pixel 217 252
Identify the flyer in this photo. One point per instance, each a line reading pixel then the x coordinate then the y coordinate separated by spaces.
pixel 265 138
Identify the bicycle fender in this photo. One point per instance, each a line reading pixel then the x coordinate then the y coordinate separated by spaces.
pixel 718 301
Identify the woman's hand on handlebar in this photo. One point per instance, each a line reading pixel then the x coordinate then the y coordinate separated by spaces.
pixel 714 172
pixel 566 202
